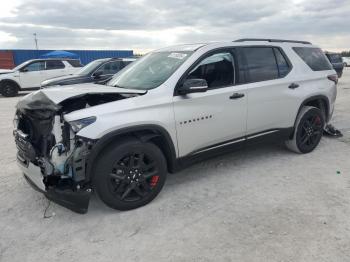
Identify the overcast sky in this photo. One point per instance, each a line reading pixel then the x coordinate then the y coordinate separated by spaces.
pixel 144 25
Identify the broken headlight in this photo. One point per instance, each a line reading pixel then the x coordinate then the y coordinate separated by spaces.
pixel 77 125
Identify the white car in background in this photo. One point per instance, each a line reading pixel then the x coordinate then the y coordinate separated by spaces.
pixel 29 75
pixel 346 61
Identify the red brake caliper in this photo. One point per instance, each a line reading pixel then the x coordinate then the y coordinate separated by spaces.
pixel 317 120
pixel 154 181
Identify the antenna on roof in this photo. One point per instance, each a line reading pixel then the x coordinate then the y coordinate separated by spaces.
pixel 36 42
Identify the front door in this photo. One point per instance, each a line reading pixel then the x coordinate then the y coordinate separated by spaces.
pixel 32 75
pixel 208 120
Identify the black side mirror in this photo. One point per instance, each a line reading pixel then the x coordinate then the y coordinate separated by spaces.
pixel 97 74
pixel 193 86
pixel 23 70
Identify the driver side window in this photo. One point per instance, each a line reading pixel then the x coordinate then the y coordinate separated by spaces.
pixel 36 66
pixel 216 69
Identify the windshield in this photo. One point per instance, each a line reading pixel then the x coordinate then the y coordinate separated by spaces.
pixel 150 71
pixel 90 67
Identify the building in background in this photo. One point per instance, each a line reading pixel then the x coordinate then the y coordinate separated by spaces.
pixel 12 58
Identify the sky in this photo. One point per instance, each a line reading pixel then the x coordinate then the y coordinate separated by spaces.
pixel 144 25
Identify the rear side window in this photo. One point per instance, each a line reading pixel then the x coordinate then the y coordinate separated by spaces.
pixel 282 64
pixel 54 64
pixel 261 63
pixel 75 63
pixel 314 58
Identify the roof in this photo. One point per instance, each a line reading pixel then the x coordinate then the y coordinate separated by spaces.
pixel 240 42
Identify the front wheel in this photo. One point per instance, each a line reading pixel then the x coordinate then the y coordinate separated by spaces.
pixel 9 89
pixel 308 130
pixel 130 174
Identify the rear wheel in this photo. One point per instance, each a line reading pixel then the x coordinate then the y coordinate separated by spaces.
pixel 308 130
pixel 130 174
pixel 9 89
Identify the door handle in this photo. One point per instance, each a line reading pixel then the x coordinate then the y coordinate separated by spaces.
pixel 293 86
pixel 236 95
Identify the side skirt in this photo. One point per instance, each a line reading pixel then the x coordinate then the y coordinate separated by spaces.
pixel 272 136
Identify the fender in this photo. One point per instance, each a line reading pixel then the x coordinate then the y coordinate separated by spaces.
pixel 142 132
pixel 315 98
pixel 10 80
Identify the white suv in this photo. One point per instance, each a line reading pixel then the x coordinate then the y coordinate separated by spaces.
pixel 29 75
pixel 346 61
pixel 170 108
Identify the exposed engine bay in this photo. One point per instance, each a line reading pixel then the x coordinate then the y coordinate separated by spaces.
pixel 46 140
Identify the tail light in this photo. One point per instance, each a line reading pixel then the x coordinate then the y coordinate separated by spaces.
pixel 333 78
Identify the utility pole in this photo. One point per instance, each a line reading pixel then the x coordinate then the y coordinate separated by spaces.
pixel 36 42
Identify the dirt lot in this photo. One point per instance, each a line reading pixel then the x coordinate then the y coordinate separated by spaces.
pixel 259 204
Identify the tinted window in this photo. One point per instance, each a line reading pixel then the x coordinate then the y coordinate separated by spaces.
pixel 36 66
pixel 216 69
pixel 261 63
pixel 314 58
pixel 75 63
pixel 110 68
pixel 283 66
pixel 334 58
pixel 54 64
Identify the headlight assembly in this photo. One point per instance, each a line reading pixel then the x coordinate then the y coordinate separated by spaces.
pixel 77 125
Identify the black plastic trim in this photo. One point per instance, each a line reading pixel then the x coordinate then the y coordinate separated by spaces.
pixel 316 98
pixel 272 40
pixel 157 131
pixel 77 201
pixel 281 134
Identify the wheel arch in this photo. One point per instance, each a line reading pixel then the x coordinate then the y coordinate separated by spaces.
pixel 145 133
pixel 319 101
pixel 11 81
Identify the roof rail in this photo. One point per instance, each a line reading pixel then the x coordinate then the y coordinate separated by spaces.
pixel 272 40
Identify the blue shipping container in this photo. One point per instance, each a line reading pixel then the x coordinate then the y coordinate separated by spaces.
pixel 86 56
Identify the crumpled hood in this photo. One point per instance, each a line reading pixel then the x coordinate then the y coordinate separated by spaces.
pixel 59 94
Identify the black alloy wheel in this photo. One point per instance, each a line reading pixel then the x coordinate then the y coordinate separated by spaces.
pixel 133 176
pixel 129 174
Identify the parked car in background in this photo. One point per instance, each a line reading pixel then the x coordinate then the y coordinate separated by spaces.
pixel 29 75
pixel 166 110
pixel 337 62
pixel 98 71
pixel 346 61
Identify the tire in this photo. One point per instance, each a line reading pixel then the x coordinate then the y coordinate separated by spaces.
pixel 129 174
pixel 9 89
pixel 308 130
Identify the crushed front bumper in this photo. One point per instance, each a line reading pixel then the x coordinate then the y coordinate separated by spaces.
pixel 77 200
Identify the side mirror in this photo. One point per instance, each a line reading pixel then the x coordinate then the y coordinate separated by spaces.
pixel 23 70
pixel 97 74
pixel 193 86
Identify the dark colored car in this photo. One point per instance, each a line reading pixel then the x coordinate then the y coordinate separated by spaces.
pixel 97 71
pixel 337 62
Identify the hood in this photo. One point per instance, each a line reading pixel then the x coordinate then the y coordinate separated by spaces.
pixel 64 80
pixel 51 98
pixel 57 94
pixel 5 71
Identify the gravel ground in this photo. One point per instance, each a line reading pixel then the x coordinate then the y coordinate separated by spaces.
pixel 259 204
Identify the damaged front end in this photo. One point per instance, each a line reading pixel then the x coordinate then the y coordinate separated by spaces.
pixel 50 154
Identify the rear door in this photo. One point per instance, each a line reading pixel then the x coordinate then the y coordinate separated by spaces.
pixel 212 119
pixel 54 68
pixel 272 100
